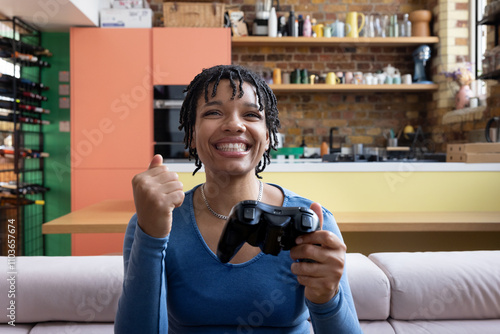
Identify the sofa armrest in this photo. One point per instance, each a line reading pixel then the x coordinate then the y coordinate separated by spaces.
pixel 73 288
pixel 369 286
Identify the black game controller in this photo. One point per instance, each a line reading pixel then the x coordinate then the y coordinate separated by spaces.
pixel 272 228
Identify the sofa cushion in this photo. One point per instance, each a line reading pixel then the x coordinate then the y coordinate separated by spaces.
pixel 73 327
pixel 73 288
pixel 376 327
pixel 17 329
pixel 446 326
pixel 369 286
pixel 443 285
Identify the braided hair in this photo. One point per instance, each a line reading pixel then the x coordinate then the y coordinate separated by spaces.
pixel 236 75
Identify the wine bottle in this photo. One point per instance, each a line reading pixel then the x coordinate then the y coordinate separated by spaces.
pixel 8 152
pixel 23 189
pixel 22 119
pixel 20 201
pixel 21 83
pixel 34 96
pixel 20 106
pixel 11 44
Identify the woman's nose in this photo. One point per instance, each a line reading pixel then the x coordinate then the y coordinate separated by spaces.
pixel 234 123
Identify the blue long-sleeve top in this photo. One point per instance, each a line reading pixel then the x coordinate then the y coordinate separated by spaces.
pixel 177 284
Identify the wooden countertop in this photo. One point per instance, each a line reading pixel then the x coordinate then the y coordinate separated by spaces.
pixel 112 216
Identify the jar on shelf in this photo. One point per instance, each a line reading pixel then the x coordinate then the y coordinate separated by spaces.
pixel 496 53
pixel 486 62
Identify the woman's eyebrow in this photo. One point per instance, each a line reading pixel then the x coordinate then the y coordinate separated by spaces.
pixel 251 105
pixel 213 103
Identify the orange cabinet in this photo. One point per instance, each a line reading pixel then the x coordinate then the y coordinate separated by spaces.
pixel 112 76
pixel 111 98
pixel 181 53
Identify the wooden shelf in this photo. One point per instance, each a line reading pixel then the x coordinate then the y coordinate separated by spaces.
pixel 333 41
pixel 495 75
pixel 491 19
pixel 353 88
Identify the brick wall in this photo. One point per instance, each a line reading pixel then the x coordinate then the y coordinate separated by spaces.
pixel 363 117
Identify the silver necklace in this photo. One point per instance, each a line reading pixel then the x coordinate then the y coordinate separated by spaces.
pixel 218 215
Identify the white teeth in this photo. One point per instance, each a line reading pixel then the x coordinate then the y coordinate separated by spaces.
pixel 232 147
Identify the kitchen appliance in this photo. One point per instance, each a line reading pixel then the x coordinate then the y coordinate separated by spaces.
pixel 420 56
pixel 169 140
pixel 492 134
pixel 260 24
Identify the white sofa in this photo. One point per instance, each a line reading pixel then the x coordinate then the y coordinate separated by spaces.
pixel 410 293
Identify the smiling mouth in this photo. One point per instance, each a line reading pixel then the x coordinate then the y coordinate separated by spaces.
pixel 232 147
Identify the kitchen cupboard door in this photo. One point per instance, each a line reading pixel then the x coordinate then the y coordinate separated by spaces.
pixel 111 98
pixel 181 53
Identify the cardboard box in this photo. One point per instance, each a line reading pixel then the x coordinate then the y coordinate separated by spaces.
pixel 193 14
pixel 473 157
pixel 473 148
pixel 127 18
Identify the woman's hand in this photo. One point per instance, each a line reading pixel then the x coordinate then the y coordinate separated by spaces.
pixel 321 278
pixel 157 191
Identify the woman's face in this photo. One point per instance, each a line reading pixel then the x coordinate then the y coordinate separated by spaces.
pixel 230 134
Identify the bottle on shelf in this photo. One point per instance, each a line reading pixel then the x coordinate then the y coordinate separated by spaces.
pixel 395 26
pixel 20 201
pixel 291 24
pixel 405 28
pixel 272 23
pixel 307 28
pixel 300 30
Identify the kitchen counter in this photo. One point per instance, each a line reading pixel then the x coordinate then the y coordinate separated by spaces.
pixel 316 165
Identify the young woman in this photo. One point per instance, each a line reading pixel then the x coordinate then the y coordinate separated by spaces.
pixel 173 280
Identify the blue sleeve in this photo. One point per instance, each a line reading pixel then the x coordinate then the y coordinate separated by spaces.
pixel 339 314
pixel 142 307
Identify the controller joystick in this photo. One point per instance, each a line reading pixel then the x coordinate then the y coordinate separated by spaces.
pixel 272 228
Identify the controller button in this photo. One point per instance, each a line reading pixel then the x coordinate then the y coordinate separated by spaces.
pixel 249 213
pixel 307 221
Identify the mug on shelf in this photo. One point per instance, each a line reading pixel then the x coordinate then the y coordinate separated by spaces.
pixel 327 31
pixel 406 79
pixel 338 29
pixel 357 78
pixel 348 78
pixel 318 29
pixel 332 79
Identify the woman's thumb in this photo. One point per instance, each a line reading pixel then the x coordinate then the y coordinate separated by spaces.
pixel 156 161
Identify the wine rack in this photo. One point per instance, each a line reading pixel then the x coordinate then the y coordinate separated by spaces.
pixel 22 191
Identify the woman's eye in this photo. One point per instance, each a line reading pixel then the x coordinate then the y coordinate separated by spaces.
pixel 211 113
pixel 254 114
